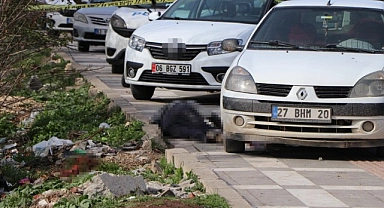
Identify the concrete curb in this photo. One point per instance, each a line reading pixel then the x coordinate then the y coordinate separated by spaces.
pixel 179 157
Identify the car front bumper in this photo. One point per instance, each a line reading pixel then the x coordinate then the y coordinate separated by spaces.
pixel 91 33
pixel 204 71
pixel 59 22
pixel 115 46
pixel 345 130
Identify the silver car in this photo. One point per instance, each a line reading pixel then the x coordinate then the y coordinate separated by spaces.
pixel 90 26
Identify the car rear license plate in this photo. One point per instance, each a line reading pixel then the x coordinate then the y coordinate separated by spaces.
pixel 173 69
pixel 294 114
pixel 100 31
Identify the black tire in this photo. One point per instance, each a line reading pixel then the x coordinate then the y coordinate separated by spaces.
pixel 142 92
pixel 83 46
pixel 380 151
pixel 117 69
pixel 233 146
pixel 123 83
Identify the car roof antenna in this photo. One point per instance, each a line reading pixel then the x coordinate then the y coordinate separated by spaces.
pixel 329 3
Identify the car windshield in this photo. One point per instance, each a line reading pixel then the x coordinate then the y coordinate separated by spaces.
pixel 321 28
pixel 162 5
pixel 244 11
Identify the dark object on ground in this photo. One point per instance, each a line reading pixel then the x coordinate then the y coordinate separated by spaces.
pixel 182 119
pixel 34 83
pixel 4 185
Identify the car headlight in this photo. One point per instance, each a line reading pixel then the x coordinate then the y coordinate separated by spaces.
pixel 371 85
pixel 215 48
pixel 117 22
pixel 51 14
pixel 137 43
pixel 80 17
pixel 240 80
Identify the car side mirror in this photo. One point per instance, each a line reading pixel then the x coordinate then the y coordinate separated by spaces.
pixel 232 45
pixel 154 16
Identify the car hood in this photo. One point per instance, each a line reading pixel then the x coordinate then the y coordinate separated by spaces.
pixel 309 67
pixel 193 32
pixel 133 17
pixel 98 10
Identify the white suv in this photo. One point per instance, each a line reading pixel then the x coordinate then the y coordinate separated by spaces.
pixel 182 49
pixel 123 23
pixel 312 74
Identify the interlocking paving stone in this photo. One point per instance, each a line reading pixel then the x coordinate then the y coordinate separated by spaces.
pixel 288 178
pixel 316 198
pixel 273 197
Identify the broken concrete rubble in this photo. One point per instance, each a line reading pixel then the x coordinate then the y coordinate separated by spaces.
pixel 113 185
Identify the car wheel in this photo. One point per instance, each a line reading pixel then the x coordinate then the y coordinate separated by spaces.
pixel 123 83
pixel 83 46
pixel 142 92
pixel 233 146
pixel 117 69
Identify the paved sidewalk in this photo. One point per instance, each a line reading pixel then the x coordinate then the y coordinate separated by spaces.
pixel 290 177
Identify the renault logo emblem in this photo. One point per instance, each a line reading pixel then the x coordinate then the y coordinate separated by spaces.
pixel 301 94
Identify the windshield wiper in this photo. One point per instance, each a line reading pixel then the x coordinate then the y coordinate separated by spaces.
pixel 276 43
pixel 174 18
pixel 349 49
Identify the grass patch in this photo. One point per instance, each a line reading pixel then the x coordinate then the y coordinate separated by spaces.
pixel 169 175
pixel 110 167
pixel 7 128
pixel 209 201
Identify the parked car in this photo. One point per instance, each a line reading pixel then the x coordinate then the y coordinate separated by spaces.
pixel 311 75
pixel 182 48
pixel 124 22
pixel 90 26
pixel 62 20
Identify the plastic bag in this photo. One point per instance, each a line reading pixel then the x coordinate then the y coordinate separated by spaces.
pixel 44 147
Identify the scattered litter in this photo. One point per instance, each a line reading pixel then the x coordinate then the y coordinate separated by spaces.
pixel 3 140
pixel 24 181
pixel 44 147
pixel 9 146
pixel 104 125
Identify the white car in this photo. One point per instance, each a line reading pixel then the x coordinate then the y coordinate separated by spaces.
pixel 90 26
pixel 182 48
pixel 312 74
pixel 123 22
pixel 60 21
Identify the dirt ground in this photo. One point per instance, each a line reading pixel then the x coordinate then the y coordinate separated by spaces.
pixel 162 203
pixel 133 160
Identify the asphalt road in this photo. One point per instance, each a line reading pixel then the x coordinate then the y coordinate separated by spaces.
pixel 282 177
